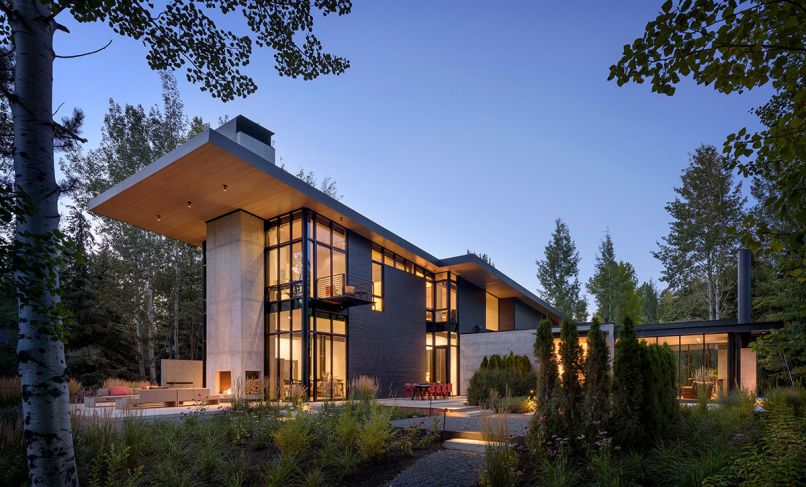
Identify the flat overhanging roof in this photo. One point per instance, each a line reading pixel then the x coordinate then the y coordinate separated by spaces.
pixel 212 175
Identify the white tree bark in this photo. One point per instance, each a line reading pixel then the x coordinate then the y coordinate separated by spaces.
pixel 40 353
pixel 138 340
pixel 150 334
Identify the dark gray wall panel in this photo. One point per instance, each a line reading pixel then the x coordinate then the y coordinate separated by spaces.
pixel 526 318
pixel 471 306
pixel 389 345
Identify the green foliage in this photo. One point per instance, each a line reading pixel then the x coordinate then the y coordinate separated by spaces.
pixel 497 381
pixel 737 47
pixel 650 299
pixel 628 387
pixel 110 468
pixel 699 247
pixel 364 388
pixel 570 398
pixel 185 36
pixel 644 391
pixel 501 460
pixel 558 274
pixel 293 439
pixel 518 364
pixel 375 435
pixel 781 354
pixel 778 458
pixel 545 418
pixel 597 376
pixel 613 286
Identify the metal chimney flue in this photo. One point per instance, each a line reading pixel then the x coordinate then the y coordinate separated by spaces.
pixel 743 299
pixel 250 135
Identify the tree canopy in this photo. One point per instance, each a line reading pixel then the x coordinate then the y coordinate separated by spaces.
pixel 737 46
pixel 558 274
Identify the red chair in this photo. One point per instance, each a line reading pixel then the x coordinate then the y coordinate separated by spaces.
pixel 449 389
pixel 408 390
pixel 432 390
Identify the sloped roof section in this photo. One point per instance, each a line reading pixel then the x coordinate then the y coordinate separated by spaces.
pixel 212 175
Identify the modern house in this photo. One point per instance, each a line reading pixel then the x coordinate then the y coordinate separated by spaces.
pixel 302 291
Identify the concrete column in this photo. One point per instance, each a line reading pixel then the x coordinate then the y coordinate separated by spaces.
pixel 235 304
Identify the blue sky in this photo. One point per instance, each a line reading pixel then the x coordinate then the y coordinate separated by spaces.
pixel 460 126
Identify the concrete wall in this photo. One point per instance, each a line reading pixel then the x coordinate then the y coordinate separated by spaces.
pixel 476 346
pixel 235 304
pixel 388 345
pixel 172 370
pixel 748 368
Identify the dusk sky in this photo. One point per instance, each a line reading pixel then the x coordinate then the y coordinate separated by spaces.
pixel 489 123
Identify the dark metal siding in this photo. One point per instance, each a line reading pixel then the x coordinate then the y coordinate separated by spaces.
pixel 389 345
pixel 526 318
pixel 471 306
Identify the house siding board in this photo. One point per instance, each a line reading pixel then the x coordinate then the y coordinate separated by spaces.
pixel 526 318
pixel 389 345
pixel 506 314
pixel 471 305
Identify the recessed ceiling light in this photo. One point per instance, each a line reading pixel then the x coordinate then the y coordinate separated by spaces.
pixel 189 204
pixel 159 218
pixel 225 187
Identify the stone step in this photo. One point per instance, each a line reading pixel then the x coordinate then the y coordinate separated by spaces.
pixel 464 444
pixel 469 412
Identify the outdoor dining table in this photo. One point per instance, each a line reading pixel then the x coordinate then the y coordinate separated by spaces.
pixel 419 390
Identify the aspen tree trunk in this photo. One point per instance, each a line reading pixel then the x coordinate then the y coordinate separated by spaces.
pixel 40 352
pixel 175 351
pixel 152 372
pixel 138 338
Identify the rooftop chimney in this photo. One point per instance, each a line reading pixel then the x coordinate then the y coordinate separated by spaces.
pixel 743 299
pixel 250 135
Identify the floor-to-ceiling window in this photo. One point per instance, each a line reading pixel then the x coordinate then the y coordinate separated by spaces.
pixel 284 323
pixel 329 357
pixel 305 355
pixel 327 261
pixel 702 363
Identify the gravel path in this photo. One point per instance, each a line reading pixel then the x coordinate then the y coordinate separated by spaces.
pixel 445 468
pixel 518 423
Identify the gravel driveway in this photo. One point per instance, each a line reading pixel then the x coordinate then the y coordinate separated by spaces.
pixel 445 468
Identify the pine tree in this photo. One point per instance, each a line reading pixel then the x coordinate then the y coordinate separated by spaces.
pixel 614 286
pixel 545 418
pixel 700 246
pixel 650 300
pixel 628 387
pixel 558 274
pixel 602 285
pixel 571 400
pixel 597 376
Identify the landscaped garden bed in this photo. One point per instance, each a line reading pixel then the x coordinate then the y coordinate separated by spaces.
pixel 351 443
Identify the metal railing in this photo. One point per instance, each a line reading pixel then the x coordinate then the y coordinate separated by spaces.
pixel 343 286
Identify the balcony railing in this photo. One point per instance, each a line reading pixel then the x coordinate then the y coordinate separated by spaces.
pixel 342 291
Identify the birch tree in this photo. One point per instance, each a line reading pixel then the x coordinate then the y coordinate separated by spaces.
pixel 178 35
pixel 699 245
